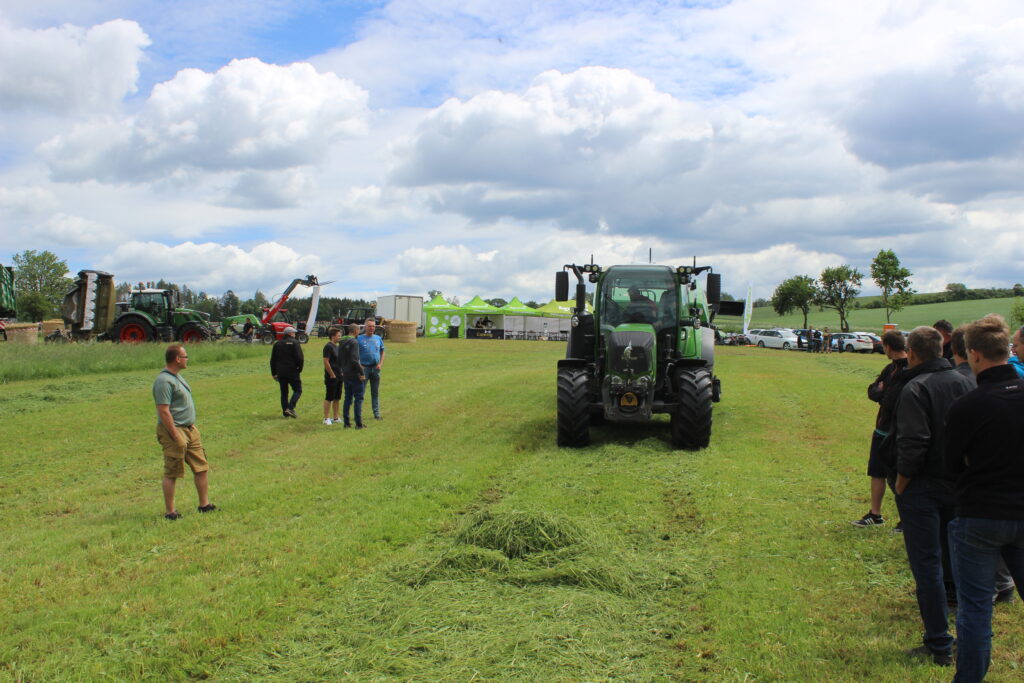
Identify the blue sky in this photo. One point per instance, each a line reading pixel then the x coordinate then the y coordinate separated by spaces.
pixel 474 147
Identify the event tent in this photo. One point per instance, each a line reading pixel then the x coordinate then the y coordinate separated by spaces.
pixel 439 315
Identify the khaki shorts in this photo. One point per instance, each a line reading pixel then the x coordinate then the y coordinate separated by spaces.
pixel 176 456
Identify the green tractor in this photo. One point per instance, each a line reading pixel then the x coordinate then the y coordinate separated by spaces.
pixel 150 314
pixel 648 347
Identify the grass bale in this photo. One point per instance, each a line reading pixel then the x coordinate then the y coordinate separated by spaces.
pixel 23 333
pixel 518 534
pixel 52 325
pixel 401 331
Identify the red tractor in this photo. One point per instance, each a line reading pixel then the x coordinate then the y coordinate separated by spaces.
pixel 274 329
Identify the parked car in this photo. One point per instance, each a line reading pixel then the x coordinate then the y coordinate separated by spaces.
pixel 775 339
pixel 876 341
pixel 851 341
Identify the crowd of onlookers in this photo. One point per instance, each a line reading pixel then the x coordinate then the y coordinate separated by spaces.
pixel 947 442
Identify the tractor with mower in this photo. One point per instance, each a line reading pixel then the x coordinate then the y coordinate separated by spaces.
pixel 647 348
pixel 150 314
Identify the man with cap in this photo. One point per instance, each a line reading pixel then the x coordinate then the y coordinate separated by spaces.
pixel 286 367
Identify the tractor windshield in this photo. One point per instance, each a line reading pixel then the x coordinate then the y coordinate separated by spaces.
pixel 640 295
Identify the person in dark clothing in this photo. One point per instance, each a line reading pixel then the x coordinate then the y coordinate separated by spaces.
pixel 945 328
pixel 924 490
pixel 984 433
pixel 286 367
pixel 884 391
pixel 332 377
pixel 352 371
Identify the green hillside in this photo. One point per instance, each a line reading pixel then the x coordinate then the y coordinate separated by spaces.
pixel 872 319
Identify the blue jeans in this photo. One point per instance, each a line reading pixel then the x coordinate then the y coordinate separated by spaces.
pixel 372 374
pixel 926 507
pixel 976 545
pixel 353 394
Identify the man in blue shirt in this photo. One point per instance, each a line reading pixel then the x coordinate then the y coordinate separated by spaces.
pixel 371 357
pixel 1018 352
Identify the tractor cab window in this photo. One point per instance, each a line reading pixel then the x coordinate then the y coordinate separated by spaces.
pixel 150 302
pixel 640 298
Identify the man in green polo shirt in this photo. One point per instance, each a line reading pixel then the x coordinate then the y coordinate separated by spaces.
pixel 177 433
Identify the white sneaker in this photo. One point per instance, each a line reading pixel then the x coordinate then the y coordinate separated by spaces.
pixel 327 421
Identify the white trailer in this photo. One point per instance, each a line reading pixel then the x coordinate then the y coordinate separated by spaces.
pixel 401 307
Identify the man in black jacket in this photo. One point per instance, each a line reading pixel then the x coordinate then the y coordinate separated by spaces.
pixel 984 433
pixel 348 357
pixel 286 367
pixel 884 391
pixel 924 490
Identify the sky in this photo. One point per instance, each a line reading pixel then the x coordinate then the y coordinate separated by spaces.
pixel 474 147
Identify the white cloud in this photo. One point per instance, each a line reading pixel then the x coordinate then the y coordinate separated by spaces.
pixel 69 68
pixel 211 267
pixel 74 231
pixel 248 116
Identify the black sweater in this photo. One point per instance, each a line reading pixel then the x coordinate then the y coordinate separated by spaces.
pixel 985 446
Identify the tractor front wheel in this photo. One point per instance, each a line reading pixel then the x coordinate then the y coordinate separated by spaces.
pixel 691 420
pixel 133 330
pixel 301 337
pixel 191 333
pixel 267 338
pixel 573 410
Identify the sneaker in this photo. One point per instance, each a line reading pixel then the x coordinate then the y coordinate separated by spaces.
pixel 898 529
pixel 870 519
pixel 290 413
pixel 377 417
pixel 209 507
pixel 327 421
pixel 360 426
pixel 348 425
pixel 173 515
pixel 1005 595
pixel 937 657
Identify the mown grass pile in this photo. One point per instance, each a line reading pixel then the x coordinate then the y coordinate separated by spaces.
pixel 453 540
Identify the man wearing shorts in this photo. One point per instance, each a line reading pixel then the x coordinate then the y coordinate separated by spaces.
pixel 177 433
pixel 332 377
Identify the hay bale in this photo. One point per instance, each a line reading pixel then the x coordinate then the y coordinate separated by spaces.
pixel 23 333
pixel 401 331
pixel 52 325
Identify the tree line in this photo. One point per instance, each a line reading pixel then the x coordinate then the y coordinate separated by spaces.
pixel 838 286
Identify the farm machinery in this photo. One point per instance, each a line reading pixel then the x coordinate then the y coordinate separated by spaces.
pixel 647 348
pixel 272 330
pixel 150 314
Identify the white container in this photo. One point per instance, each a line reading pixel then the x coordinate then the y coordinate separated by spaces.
pixel 401 307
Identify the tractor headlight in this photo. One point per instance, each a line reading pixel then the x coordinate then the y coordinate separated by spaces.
pixel 575 321
pixel 684 270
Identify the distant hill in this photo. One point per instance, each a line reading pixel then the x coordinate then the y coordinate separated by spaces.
pixel 872 319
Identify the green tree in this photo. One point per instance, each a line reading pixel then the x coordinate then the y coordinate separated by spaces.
pixel 1016 315
pixel 838 287
pixel 229 304
pixel 41 273
pixel 796 293
pixel 33 307
pixel 497 302
pixel 1018 289
pixel 956 291
pixel 894 281
pixel 432 293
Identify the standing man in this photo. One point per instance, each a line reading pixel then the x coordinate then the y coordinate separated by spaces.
pixel 984 433
pixel 177 433
pixel 352 371
pixel 945 328
pixel 1017 359
pixel 371 357
pixel 923 487
pixel 332 376
pixel 286 367
pixel 883 391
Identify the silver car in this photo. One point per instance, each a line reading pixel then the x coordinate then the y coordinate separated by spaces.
pixel 774 339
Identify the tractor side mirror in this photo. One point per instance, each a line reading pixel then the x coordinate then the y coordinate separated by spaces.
pixel 714 288
pixel 562 285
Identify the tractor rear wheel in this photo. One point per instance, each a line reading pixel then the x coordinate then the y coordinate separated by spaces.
pixel 573 410
pixel 267 338
pixel 691 420
pixel 131 330
pixel 190 333
pixel 301 337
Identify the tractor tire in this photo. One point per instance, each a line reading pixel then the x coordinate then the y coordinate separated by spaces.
pixel 192 333
pixel 691 420
pixel 760 344
pixel 267 338
pixel 301 337
pixel 573 408
pixel 132 330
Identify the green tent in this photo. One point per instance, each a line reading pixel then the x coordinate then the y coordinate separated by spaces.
pixel 439 315
pixel 517 307
pixel 477 308
pixel 559 309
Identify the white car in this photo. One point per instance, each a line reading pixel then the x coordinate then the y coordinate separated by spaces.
pixel 852 341
pixel 775 339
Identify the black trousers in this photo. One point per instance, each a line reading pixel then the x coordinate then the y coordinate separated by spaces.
pixel 296 386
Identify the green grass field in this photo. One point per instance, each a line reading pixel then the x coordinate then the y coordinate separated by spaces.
pixel 454 541
pixel 872 319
